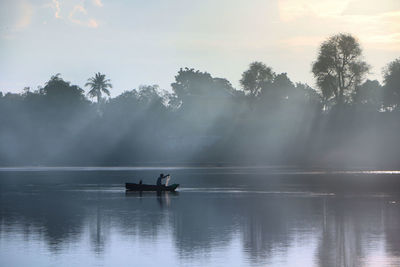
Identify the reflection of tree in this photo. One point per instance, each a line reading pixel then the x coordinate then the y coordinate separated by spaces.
pixel 270 225
pixel 99 231
pixel 197 224
pixel 351 228
pixel 52 214
pixel 392 227
pixel 339 243
pixel 201 224
pixel 263 230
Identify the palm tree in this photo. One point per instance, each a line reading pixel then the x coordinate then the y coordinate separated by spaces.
pixel 98 85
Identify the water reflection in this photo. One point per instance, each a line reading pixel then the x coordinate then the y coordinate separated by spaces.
pixel 197 228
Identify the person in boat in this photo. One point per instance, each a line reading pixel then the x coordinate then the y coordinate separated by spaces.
pixel 160 178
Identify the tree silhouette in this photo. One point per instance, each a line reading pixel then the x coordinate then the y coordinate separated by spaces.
pixel 98 85
pixel 339 67
pixel 369 95
pixel 59 92
pixel 254 79
pixel 205 119
pixel 192 86
pixel 391 75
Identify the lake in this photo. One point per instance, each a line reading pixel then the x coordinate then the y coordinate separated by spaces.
pixel 266 216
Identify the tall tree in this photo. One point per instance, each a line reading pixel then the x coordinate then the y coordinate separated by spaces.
pixel 339 68
pixel 391 80
pixel 98 84
pixel 254 79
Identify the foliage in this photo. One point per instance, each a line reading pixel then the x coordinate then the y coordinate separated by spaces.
pixel 193 83
pixel 256 78
pixel 99 85
pixel 58 91
pixel 391 76
pixel 370 95
pixel 204 120
pixel 339 68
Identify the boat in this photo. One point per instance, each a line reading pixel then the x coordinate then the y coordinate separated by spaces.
pixel 150 187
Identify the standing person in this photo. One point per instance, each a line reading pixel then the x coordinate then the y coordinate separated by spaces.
pixel 160 178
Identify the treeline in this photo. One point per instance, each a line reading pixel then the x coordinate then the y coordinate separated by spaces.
pixel 346 121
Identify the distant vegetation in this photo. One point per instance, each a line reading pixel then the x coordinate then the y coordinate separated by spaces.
pixel 346 121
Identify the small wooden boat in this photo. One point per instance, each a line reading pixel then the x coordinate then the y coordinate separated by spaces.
pixel 150 187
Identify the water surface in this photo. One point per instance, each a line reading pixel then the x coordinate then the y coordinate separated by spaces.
pixel 219 217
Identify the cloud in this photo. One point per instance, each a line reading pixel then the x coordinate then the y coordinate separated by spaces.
pixel 376 28
pixel 97 3
pixel 78 11
pixel 56 6
pixel 75 10
pixel 25 19
pixel 93 23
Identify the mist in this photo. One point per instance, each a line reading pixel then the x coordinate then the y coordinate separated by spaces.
pixel 205 121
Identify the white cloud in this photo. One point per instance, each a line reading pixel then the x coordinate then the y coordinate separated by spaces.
pixel 80 10
pixel 93 23
pixel 97 3
pixel 56 6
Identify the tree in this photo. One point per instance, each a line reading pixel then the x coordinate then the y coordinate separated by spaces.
pixel 311 95
pixel 201 100
pixel 254 79
pixel 391 80
pixel 276 92
pixel 369 94
pixel 149 95
pixel 192 84
pixel 339 68
pixel 98 85
pixel 59 92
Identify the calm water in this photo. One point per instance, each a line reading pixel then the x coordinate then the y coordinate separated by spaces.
pixel 220 217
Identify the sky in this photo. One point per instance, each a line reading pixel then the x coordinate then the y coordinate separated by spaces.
pixel 137 42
